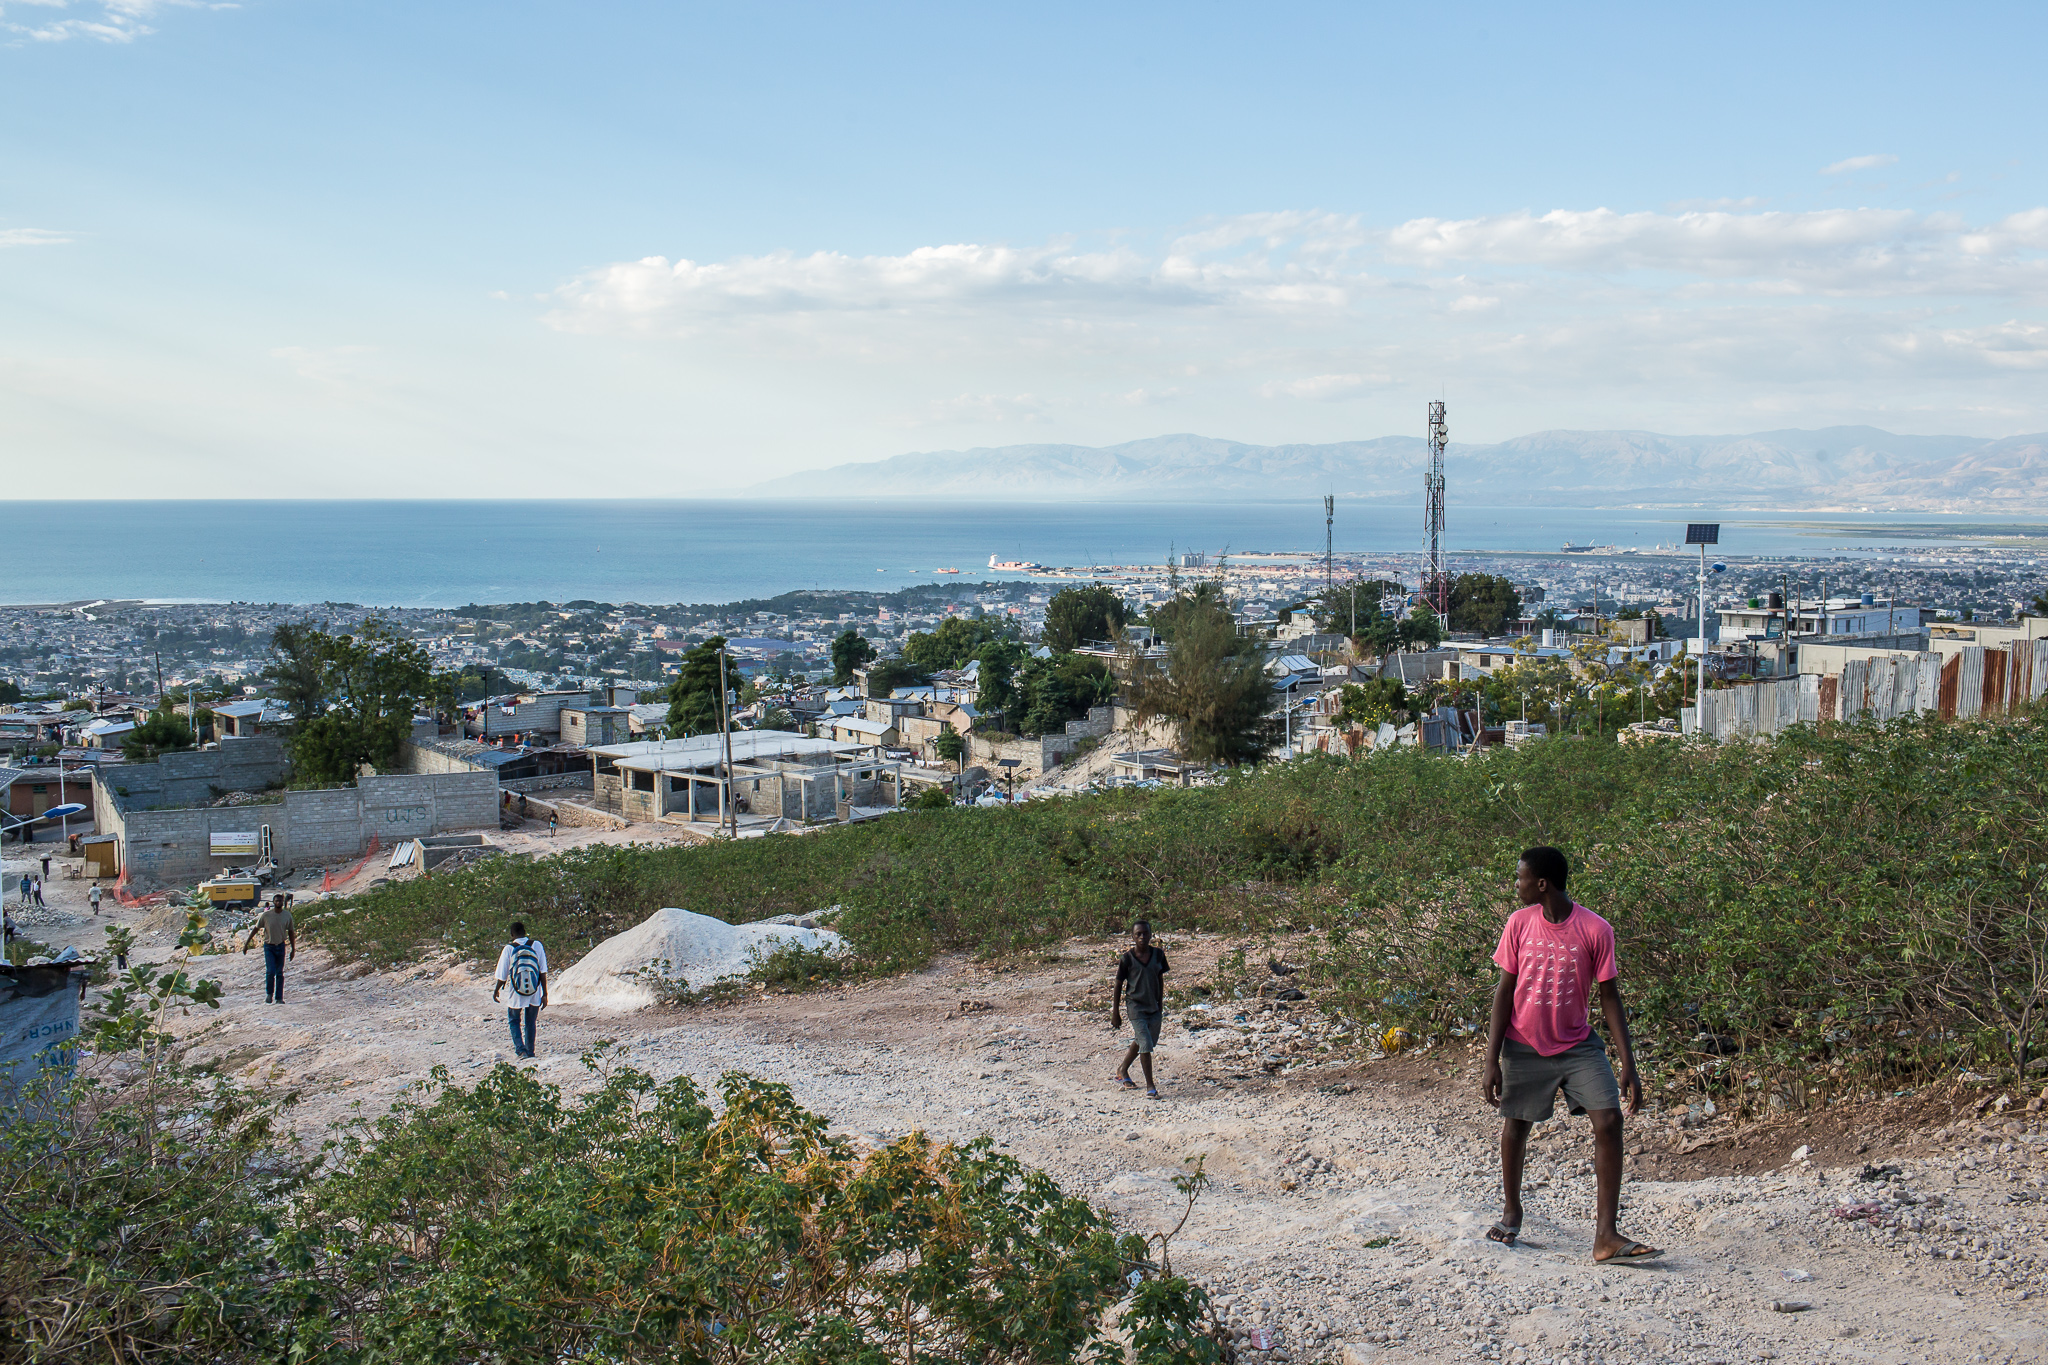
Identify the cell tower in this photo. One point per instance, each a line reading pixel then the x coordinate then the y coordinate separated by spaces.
pixel 1436 584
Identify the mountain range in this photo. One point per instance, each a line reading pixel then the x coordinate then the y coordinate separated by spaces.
pixel 1833 468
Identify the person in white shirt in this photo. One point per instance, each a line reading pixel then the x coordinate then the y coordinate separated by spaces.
pixel 523 965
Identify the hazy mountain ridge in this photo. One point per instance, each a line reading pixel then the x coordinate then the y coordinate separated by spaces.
pixel 1828 467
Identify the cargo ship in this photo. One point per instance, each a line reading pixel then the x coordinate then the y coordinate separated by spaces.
pixel 1015 565
pixel 945 571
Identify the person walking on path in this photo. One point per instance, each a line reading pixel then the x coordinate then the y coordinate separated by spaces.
pixel 1140 981
pixel 523 965
pixel 46 864
pixel 280 941
pixel 39 895
pixel 94 897
pixel 1553 952
pixel 551 826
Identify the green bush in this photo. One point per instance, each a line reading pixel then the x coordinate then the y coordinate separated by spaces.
pixel 633 1224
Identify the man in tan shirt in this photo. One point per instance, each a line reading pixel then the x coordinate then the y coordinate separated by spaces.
pixel 280 941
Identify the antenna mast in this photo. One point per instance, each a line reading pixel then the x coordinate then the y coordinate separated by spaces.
pixel 1436 584
pixel 1329 539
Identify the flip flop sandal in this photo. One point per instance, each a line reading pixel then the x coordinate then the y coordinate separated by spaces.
pixel 1635 1253
pixel 1125 1081
pixel 1504 1233
pixel 1152 1094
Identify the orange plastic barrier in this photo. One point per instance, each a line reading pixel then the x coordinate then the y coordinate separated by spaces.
pixel 332 879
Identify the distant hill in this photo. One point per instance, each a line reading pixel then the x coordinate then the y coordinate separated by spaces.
pixel 1834 467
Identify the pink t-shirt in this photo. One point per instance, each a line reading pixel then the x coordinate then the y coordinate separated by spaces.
pixel 1555 968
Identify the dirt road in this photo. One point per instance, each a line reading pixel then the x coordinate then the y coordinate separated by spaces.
pixel 1350 1199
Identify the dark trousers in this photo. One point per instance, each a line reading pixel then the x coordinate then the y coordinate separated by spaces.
pixel 523 1046
pixel 273 973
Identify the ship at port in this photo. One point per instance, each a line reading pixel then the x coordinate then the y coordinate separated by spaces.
pixel 945 571
pixel 1015 565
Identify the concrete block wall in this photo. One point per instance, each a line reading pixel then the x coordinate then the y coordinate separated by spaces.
pixel 197 776
pixel 307 827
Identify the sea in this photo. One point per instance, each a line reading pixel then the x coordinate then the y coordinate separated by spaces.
pixel 451 553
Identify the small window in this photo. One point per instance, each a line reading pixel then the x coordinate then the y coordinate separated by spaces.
pixel 643 782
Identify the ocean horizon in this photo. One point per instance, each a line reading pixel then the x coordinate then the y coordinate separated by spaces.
pixel 450 553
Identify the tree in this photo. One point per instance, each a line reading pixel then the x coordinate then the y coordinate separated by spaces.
pixel 957 640
pixel 1051 692
pixel 1204 605
pixel 162 733
pixel 1213 687
pixel 931 798
pixel 1372 702
pixel 951 745
pixel 999 660
pixel 1359 603
pixel 10 691
pixel 1484 603
pixel 2040 608
pixel 1076 616
pixel 886 675
pixel 352 697
pixel 849 651
pixel 693 696
pixel 1423 629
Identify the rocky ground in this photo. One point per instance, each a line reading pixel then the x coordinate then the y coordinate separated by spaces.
pixel 1349 1200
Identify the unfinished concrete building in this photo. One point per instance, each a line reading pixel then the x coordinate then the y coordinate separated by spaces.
pixel 776 776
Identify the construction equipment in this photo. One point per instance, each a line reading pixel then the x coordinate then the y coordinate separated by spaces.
pixel 231 887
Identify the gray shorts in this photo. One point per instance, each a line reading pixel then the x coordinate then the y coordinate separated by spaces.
pixel 1529 1081
pixel 1145 1028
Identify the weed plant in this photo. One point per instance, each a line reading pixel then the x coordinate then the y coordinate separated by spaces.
pixel 1833 911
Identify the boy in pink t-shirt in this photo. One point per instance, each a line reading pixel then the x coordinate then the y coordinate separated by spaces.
pixel 1554 954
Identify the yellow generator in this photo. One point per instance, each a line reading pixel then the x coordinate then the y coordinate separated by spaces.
pixel 232 887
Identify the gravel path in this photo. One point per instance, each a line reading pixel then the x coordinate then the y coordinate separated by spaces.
pixel 1346 1218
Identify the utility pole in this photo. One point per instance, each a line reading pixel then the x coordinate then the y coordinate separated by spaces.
pixel 726 809
pixel 1701 534
pixel 1329 542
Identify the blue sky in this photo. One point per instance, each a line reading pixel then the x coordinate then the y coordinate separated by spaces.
pixel 308 249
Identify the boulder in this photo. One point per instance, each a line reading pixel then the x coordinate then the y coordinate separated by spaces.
pixel 627 971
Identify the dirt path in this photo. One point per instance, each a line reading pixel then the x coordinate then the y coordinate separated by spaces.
pixel 1349 1202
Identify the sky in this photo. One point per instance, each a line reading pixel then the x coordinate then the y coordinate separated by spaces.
pixel 302 248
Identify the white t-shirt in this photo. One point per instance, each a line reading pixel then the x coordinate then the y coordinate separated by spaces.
pixel 520 1002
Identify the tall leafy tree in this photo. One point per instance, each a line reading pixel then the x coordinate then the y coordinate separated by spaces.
pixel 1077 615
pixel 957 640
pixel 849 651
pixel 1051 692
pixel 1484 603
pixel 1212 686
pixel 1423 629
pixel 352 697
pixel 163 732
pixel 1354 608
pixel 1000 660
pixel 1204 605
pixel 693 696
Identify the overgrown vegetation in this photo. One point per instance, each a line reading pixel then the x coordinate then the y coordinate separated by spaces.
pixel 1832 911
pixel 165 1217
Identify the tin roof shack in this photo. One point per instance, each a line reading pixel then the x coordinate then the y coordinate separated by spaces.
pixel 1151 765
pixel 776 776
pixel 39 1011
pixel 525 714
pixel 245 719
pixel 34 788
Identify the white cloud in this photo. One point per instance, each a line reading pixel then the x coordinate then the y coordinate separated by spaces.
pixel 107 21
pixel 1860 163
pixel 31 237
pixel 1321 387
pixel 1590 316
